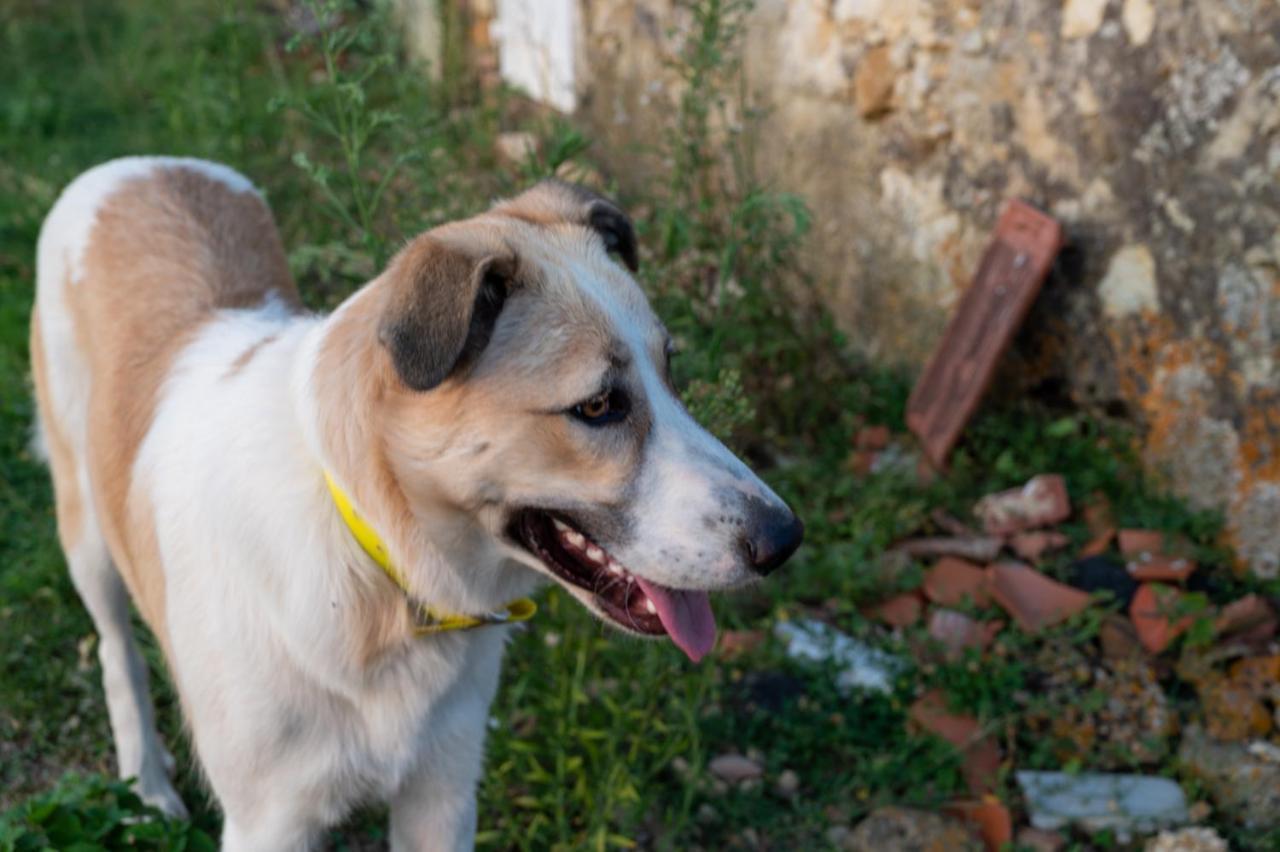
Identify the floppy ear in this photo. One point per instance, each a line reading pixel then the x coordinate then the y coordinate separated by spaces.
pixel 613 226
pixel 553 201
pixel 442 309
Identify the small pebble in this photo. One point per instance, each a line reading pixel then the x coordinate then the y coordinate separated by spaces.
pixel 837 834
pixel 735 767
pixel 788 784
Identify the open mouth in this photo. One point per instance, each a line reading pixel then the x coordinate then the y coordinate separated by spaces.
pixel 630 601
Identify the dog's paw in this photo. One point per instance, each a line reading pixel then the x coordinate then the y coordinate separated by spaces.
pixel 163 798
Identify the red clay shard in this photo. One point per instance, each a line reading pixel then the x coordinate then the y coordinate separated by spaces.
pixel 1250 617
pixel 1032 599
pixel 1152 611
pixel 1099 544
pixel 1133 542
pixel 982 549
pixel 958 632
pixel 1154 567
pixel 930 713
pixel 1013 267
pixel 1041 502
pixel 900 610
pixel 990 817
pixel 952 581
pixel 1032 545
pixel 872 438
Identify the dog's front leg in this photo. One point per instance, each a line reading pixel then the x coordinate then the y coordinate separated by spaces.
pixel 435 807
pixel 433 812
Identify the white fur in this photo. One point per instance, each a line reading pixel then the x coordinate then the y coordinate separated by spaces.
pixel 292 730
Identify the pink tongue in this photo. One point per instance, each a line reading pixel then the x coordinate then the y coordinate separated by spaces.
pixel 686 616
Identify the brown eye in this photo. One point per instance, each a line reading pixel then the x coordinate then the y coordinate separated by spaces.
pixel 596 407
pixel 602 409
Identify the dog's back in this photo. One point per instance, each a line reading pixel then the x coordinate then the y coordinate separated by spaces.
pixel 135 256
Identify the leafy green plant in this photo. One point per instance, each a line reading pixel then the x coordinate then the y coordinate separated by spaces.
pixel 86 813
pixel 361 148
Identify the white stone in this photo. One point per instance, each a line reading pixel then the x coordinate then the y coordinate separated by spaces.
pixel 1081 18
pixel 1139 18
pixel 1126 804
pixel 1129 287
pixel 734 768
pixel 1187 840
pixel 858 664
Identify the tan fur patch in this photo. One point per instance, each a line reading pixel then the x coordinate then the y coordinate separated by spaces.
pixel 166 251
pixel 243 359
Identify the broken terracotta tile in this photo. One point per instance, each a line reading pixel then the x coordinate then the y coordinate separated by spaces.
pixel 1099 544
pixel 1146 566
pixel 953 581
pixel 1005 286
pixel 990 817
pixel 1133 542
pixel 862 462
pixel 981 766
pixel 1245 614
pixel 974 549
pixel 735 642
pixel 1041 502
pixel 957 631
pixel 900 610
pixel 872 438
pixel 929 713
pixel 1032 545
pixel 1034 600
pixel 1152 611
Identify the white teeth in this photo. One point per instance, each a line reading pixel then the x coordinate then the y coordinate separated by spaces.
pixel 614 567
pixel 576 539
pixel 648 604
pixel 595 554
pixel 560 525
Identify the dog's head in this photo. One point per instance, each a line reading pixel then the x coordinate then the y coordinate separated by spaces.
pixel 528 394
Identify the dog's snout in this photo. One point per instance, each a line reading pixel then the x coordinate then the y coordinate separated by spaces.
pixel 773 534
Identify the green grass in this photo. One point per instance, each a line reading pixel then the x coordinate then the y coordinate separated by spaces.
pixel 355 154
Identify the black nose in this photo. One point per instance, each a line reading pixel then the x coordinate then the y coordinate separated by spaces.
pixel 773 534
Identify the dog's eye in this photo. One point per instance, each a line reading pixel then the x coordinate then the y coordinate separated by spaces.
pixel 603 408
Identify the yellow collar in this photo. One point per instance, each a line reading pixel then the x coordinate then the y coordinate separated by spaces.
pixel 426 620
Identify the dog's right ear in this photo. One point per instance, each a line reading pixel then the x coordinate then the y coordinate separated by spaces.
pixel 441 310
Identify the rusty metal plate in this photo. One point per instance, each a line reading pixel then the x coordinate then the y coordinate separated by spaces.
pixel 1013 268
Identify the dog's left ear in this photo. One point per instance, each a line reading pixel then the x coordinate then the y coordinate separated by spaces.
pixel 442 306
pixel 613 226
pixel 553 201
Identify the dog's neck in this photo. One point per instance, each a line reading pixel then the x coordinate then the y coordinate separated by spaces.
pixel 337 377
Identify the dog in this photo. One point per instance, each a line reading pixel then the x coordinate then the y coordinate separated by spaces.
pixel 330 523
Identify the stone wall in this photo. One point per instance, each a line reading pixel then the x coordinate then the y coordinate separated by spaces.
pixel 1148 127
